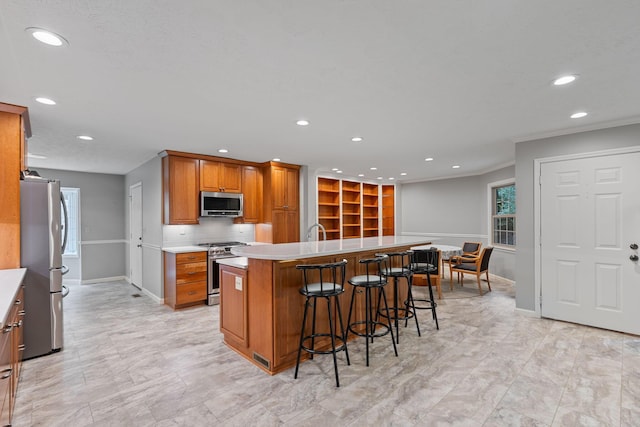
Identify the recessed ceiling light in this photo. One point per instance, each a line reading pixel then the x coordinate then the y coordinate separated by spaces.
pixel 578 115
pixel 338 171
pixel 455 167
pixel 374 168
pixel 302 122
pixel 563 80
pixel 46 101
pixel 379 177
pixel 360 174
pixel 357 139
pixel 36 156
pixel 46 36
pixel 85 137
pixel 334 169
pixel 222 150
pixel 428 159
pixel 276 159
pixel 403 174
pixel 391 179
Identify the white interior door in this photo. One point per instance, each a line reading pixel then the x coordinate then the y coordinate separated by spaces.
pixel 135 238
pixel 590 218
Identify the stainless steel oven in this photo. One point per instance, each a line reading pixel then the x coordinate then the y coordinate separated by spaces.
pixel 217 250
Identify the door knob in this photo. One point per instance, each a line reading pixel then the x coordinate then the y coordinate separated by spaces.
pixel 633 258
pixel 634 246
pixel 139 246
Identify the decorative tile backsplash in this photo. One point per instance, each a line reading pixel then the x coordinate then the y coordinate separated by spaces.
pixel 209 230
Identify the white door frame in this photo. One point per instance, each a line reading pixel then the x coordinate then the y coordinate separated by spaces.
pixel 537 204
pixel 131 187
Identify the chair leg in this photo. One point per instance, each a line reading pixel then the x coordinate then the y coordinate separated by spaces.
pixel 479 287
pixel 488 282
pixel 450 277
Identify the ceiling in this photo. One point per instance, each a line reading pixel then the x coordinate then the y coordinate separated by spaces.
pixel 457 81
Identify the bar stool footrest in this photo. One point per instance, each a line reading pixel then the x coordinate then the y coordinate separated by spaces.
pixel 428 301
pixel 396 310
pixel 340 347
pixel 382 331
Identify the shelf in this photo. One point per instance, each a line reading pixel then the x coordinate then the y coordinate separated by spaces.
pixel 328 217
pixel 328 204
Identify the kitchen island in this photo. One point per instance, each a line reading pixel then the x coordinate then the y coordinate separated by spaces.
pixel 267 305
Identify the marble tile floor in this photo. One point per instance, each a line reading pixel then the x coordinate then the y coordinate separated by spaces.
pixel 129 361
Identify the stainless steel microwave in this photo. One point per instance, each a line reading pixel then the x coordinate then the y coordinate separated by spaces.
pixel 221 204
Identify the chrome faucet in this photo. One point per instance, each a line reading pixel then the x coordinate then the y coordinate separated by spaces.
pixel 321 227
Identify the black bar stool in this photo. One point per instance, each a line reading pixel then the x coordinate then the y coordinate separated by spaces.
pixel 396 266
pixel 427 262
pixel 371 280
pixel 328 283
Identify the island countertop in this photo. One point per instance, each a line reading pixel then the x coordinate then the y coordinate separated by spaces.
pixel 301 250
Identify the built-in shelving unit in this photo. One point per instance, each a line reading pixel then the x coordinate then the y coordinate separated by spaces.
pixel 370 210
pixel 351 213
pixel 329 206
pixel 388 210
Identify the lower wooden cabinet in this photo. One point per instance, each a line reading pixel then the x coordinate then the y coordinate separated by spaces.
pixel 11 348
pixel 233 305
pixel 185 279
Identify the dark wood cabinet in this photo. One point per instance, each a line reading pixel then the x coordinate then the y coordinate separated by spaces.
pixel 14 129
pixel 220 176
pixel 252 192
pixel 185 279
pixel 281 203
pixel 233 304
pixel 181 190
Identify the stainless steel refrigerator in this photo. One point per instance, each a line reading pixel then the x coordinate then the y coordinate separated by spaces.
pixel 42 241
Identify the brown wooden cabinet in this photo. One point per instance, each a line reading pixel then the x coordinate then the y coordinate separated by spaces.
pixel 11 348
pixel 233 304
pixel 281 203
pixel 252 192
pixel 351 213
pixel 370 210
pixel 181 190
pixel 220 176
pixel 14 129
pixel 329 207
pixel 388 210
pixel 185 279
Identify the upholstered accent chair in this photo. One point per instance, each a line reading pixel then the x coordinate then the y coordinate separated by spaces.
pixel 471 265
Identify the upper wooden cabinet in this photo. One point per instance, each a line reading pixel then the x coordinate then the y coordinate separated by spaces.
pixel 281 203
pixel 14 129
pixel 181 190
pixel 388 210
pixel 220 176
pixel 252 191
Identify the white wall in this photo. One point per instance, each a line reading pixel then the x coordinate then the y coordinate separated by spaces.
pixel 526 153
pixel 101 220
pixel 454 211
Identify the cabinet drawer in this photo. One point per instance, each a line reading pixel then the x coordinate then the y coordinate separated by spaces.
pixel 191 292
pixel 189 257
pixel 191 272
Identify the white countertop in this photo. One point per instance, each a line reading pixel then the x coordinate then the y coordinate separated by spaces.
pixel 183 249
pixel 287 251
pixel 237 262
pixel 10 281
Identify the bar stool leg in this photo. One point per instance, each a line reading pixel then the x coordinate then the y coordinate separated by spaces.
pixel 413 304
pixel 433 302
pixel 383 296
pixel 304 322
pixel 333 341
pixel 342 330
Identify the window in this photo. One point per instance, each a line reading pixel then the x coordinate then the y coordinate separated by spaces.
pixel 503 215
pixel 71 198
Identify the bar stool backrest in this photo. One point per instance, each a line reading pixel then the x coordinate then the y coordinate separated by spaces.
pixel 426 260
pixel 373 268
pixel 396 263
pixel 323 279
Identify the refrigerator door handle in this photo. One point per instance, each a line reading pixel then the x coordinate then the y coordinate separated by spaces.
pixel 64 269
pixel 65 291
pixel 66 222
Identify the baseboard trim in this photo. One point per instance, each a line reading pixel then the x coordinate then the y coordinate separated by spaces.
pixel 526 313
pixel 103 280
pixel 153 296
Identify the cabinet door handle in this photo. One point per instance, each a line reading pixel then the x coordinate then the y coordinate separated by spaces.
pixel 6 373
pixel 7 329
pixel 18 324
pixel 22 313
pixel 18 302
pixel 192 293
pixel 21 347
pixel 191 273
